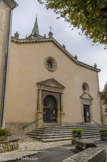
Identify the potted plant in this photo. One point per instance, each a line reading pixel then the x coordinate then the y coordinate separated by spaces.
pixel 103 134
pixel 4 133
pixel 76 134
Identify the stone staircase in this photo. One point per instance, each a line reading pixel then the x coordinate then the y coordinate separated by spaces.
pixel 60 133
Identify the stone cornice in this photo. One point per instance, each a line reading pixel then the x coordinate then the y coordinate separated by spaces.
pixel 23 41
pixel 11 3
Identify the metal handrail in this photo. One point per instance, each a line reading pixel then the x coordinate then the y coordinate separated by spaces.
pixel 96 123
pixel 31 123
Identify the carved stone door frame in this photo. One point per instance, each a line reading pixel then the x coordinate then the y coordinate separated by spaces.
pixel 86 99
pixel 53 88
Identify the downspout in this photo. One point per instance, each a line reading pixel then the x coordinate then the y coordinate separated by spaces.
pixel 101 112
pixel 6 71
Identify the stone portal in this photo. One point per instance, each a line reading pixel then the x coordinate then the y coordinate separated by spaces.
pixel 86 102
pixel 50 103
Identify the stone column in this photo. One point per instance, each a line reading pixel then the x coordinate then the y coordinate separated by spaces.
pixel 90 109
pixel 40 110
pixel 82 111
pixel 61 112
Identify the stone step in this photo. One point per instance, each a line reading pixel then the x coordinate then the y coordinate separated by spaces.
pixel 57 139
pixel 61 139
pixel 65 130
pixel 83 134
pixel 56 132
pixel 69 127
pixel 61 136
pixel 48 137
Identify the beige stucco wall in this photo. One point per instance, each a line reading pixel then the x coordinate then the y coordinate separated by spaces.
pixel 4 30
pixel 104 113
pixel 26 68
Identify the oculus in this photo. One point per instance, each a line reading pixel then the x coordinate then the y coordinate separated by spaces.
pixel 50 64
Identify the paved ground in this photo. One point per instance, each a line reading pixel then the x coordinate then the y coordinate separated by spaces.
pixel 43 152
pixel 57 154
pixel 28 146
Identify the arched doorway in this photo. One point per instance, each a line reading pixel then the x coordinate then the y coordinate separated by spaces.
pixel 49 109
pixel 86 113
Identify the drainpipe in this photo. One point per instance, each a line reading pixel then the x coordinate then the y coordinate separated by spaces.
pixel 6 72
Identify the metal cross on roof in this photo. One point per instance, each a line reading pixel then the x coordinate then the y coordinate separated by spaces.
pixel 50 28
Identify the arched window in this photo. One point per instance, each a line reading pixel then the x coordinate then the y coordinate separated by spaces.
pixel 85 87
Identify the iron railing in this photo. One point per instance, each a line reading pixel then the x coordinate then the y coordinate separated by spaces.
pixel 32 123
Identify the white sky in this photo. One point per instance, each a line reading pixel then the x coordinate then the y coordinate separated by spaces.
pixel 23 22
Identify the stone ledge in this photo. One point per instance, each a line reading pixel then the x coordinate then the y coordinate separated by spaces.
pixel 83 144
pixel 96 154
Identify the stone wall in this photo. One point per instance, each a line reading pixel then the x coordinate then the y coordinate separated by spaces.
pixel 16 128
pixel 104 113
pixel 89 155
pixel 7 146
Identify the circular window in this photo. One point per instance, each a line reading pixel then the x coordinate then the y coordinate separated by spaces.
pixel 50 64
pixel 85 87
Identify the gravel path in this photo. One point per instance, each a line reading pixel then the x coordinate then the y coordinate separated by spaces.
pixel 29 144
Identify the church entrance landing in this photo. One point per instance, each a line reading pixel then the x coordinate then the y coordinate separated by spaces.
pixel 50 103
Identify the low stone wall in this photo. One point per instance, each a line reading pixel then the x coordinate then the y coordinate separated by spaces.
pixel 7 146
pixel 103 136
pixel 83 144
pixel 96 154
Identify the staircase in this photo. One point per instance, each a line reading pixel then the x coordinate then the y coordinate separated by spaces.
pixel 60 133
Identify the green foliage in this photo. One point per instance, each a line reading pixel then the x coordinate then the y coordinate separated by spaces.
pixel 4 132
pixel 104 96
pixel 1 132
pixel 85 15
pixel 102 130
pixel 78 131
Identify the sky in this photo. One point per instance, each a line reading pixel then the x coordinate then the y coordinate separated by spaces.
pixel 23 21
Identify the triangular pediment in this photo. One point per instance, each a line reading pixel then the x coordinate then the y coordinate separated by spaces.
pixel 41 39
pixel 86 96
pixel 51 83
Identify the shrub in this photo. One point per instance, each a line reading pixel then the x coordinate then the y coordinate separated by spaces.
pixel 1 132
pixel 78 131
pixel 102 130
pixel 4 132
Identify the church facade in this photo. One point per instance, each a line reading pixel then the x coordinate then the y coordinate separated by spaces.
pixel 46 85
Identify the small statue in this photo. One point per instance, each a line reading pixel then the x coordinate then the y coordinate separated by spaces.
pixel 95 65
pixel 16 35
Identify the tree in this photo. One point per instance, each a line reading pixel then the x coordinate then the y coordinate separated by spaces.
pixel 88 15
pixel 104 96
